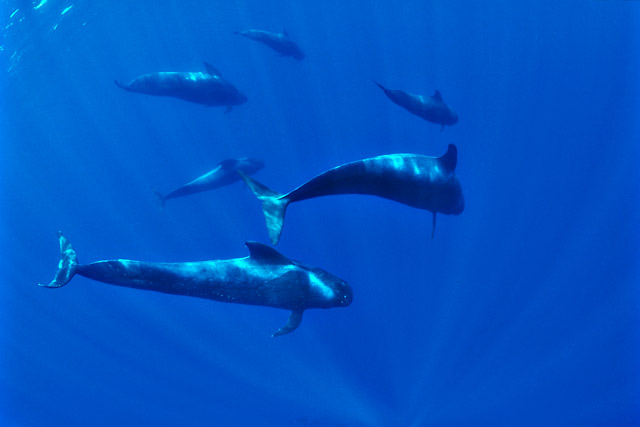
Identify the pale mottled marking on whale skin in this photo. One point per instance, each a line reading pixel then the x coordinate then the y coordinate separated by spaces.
pixel 318 285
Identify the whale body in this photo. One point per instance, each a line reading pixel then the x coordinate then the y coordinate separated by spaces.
pixel 280 42
pixel 207 88
pixel 419 181
pixel 265 277
pixel 431 108
pixel 221 175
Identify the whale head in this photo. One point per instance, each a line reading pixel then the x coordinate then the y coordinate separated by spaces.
pixel 452 118
pixel 298 54
pixel 327 290
pixel 240 98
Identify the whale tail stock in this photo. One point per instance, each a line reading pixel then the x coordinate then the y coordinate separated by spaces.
pixel 384 89
pixel 274 206
pixel 67 265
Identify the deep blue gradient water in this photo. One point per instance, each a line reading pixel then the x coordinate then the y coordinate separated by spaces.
pixel 524 310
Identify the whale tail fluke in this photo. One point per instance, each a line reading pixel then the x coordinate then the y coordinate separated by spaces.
pixel 274 206
pixel 67 265
pixel 160 197
pixel 122 86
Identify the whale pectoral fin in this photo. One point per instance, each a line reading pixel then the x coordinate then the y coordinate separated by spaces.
pixel 228 110
pixel 294 321
pixel 433 228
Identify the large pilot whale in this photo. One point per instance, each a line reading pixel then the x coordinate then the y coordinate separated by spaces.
pixel 223 174
pixel 207 88
pixel 265 277
pixel 280 42
pixel 431 108
pixel 420 181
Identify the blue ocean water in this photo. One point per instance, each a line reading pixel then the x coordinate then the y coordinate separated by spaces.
pixel 523 310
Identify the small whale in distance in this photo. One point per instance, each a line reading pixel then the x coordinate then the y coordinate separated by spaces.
pixel 280 42
pixel 419 181
pixel 265 278
pixel 207 88
pixel 223 174
pixel 431 108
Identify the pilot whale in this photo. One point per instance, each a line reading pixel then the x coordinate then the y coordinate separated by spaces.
pixel 207 88
pixel 420 181
pixel 280 42
pixel 223 174
pixel 265 277
pixel 431 108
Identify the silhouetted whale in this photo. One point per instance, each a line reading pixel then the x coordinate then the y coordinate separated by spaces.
pixel 422 182
pixel 280 42
pixel 223 174
pixel 431 108
pixel 265 277
pixel 208 88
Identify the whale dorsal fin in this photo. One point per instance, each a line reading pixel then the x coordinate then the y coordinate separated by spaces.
pixel 449 159
pixel 266 254
pixel 437 96
pixel 212 70
pixel 228 164
pixel 285 33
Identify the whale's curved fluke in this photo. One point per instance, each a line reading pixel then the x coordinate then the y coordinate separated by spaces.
pixel 274 206
pixel 122 86
pixel 66 266
pixel 160 196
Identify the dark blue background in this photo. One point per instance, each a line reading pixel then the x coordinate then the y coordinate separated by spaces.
pixel 522 311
